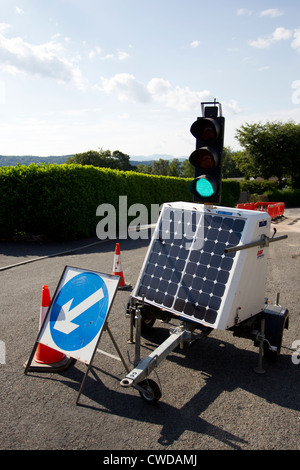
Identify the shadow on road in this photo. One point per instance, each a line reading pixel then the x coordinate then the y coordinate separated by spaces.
pixel 12 253
pixel 223 367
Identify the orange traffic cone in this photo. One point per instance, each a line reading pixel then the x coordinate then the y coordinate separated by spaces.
pixel 47 359
pixel 117 268
pixel 45 354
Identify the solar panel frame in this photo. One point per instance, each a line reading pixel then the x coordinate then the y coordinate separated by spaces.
pixel 186 270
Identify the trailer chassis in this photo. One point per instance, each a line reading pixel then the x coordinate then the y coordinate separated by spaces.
pixel 265 329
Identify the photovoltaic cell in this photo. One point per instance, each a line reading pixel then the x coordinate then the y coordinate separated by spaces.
pixel 186 271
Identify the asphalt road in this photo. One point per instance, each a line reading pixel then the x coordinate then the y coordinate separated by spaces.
pixel 211 397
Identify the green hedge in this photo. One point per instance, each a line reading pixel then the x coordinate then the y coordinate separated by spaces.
pixel 60 201
pixel 258 187
pixel 230 193
pixel 291 197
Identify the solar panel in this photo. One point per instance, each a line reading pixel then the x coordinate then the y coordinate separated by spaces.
pixel 186 270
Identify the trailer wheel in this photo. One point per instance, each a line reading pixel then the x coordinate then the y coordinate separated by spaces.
pixel 148 320
pixel 151 392
pixel 275 339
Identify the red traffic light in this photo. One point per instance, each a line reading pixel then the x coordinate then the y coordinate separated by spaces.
pixel 204 158
pixel 206 129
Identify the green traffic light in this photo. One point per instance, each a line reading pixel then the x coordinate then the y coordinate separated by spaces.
pixel 204 187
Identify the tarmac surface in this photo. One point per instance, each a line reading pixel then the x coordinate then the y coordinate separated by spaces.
pixel 211 397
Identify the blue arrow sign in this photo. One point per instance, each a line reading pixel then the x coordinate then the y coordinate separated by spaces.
pixel 79 311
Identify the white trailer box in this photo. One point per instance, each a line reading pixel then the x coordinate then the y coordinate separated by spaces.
pixel 187 271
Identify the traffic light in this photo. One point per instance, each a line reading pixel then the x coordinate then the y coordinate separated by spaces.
pixel 207 158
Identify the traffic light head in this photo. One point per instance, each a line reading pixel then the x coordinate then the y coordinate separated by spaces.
pixel 206 129
pixel 207 158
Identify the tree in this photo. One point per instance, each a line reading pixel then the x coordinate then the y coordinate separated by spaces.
pixel 102 158
pixel 91 157
pixel 187 169
pixel 175 168
pixel 245 164
pixel 271 149
pixel 142 168
pixel 229 166
pixel 161 167
pixel 122 160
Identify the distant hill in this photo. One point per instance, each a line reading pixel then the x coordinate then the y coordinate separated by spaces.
pixel 136 160
pixel 156 156
pixel 28 159
pixel 141 162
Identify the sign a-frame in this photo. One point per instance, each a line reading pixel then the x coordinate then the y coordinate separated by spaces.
pixel 78 314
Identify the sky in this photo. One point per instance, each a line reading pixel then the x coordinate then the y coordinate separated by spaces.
pixel 130 75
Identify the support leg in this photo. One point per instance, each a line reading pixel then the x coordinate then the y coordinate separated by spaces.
pixel 259 369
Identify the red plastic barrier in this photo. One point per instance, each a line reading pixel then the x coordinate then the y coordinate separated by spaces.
pixel 247 205
pixel 269 207
pixel 274 209
pixel 281 208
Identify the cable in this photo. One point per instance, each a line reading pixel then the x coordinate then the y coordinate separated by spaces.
pixel 142 227
pixel 50 256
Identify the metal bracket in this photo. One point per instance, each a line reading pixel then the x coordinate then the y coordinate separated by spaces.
pixel 264 241
pixel 216 105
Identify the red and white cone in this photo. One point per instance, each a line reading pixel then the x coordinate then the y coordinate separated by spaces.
pixel 46 358
pixel 117 268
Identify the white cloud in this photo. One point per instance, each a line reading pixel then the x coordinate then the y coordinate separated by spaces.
pixel 2 92
pixel 296 41
pixel 4 27
pixel 45 60
pixel 126 87
pixel 180 99
pixel 159 87
pixel 195 44
pixel 296 93
pixel 261 43
pixel 272 12
pixel 98 53
pixel 279 34
pixel 122 55
pixel 231 108
pixel 19 11
pixel 244 12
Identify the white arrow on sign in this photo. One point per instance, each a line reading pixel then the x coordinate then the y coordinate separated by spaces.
pixel 64 322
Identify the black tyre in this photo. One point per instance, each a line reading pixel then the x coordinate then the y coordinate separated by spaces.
pixel 148 320
pixel 151 392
